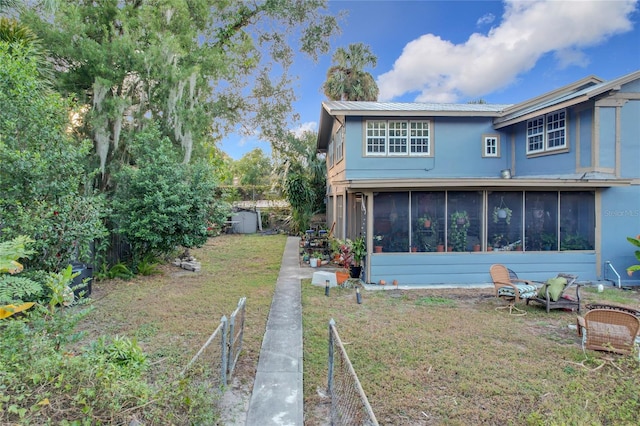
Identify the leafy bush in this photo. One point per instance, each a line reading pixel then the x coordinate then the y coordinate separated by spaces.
pixel 16 293
pixel 161 203
pixel 636 242
pixel 42 169
pixel 121 351
pixel 52 380
pixel 148 266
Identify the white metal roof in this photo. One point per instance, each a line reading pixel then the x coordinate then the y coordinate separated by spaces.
pixel 409 108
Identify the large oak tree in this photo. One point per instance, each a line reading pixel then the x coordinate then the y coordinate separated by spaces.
pixel 199 68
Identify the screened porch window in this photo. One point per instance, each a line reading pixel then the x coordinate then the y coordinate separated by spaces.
pixel 464 221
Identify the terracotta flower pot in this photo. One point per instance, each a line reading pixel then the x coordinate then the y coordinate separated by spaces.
pixel 341 276
pixel 440 247
pixel 377 249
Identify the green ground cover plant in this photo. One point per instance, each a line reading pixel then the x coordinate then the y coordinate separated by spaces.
pixel 448 357
pixel 118 357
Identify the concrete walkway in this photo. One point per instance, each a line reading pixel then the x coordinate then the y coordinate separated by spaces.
pixel 277 397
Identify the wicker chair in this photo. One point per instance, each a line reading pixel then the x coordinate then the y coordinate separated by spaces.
pixel 561 302
pixel 609 330
pixel 511 288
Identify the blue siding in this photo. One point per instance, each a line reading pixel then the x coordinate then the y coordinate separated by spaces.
pixel 607 134
pixel 620 219
pixel 632 86
pixel 586 138
pixel 473 268
pixel 630 140
pixel 457 144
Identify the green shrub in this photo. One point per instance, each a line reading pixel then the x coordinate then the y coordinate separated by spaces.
pixel 42 169
pixel 148 266
pixel 161 203
pixel 47 378
pixel 120 270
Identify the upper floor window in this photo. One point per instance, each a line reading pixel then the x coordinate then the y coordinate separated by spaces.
pixel 398 137
pixel 338 139
pixel 376 137
pixel 490 146
pixel 330 154
pixel 395 137
pixel 547 133
pixel 420 138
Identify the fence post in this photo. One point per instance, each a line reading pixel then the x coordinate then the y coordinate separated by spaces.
pixel 224 340
pixel 235 342
pixel 332 323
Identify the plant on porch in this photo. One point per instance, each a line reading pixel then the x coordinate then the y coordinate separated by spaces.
pixel 458 227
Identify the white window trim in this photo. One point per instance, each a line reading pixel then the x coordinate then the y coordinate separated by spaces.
pixel 330 153
pixel 400 138
pixel 545 134
pixel 339 141
pixel 367 137
pixel 427 153
pixel 408 139
pixel 485 139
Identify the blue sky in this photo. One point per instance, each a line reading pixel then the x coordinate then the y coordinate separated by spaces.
pixel 456 51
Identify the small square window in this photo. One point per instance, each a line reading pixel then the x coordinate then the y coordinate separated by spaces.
pixel 490 146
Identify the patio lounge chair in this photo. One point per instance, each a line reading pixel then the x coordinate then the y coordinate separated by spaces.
pixel 511 288
pixel 551 294
pixel 609 330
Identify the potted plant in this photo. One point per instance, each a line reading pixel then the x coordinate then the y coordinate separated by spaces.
pixel 502 213
pixel 315 260
pixel 549 241
pixel 458 230
pixel 460 218
pixel 334 246
pixel 574 241
pixel 377 243
pixel 359 251
pixel 498 241
pixel 425 221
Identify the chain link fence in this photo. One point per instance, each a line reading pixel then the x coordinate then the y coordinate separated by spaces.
pixel 215 362
pixel 349 404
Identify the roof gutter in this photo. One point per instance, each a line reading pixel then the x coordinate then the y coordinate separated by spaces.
pixel 484 183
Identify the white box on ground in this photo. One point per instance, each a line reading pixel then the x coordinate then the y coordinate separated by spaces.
pixel 320 278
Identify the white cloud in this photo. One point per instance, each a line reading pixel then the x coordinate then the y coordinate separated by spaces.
pixel 486 19
pixel 441 71
pixel 310 126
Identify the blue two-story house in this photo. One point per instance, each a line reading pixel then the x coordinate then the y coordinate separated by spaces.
pixel 442 191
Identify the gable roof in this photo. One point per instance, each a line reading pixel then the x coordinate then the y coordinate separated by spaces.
pixel 410 108
pixel 340 109
pixel 504 115
pixel 572 94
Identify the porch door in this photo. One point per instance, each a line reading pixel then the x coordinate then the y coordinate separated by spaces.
pixel 355 215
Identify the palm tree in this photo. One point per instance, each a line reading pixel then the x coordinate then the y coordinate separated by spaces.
pixel 347 80
pixel 14 32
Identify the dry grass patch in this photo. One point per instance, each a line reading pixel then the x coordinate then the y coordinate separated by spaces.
pixel 173 313
pixel 448 357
